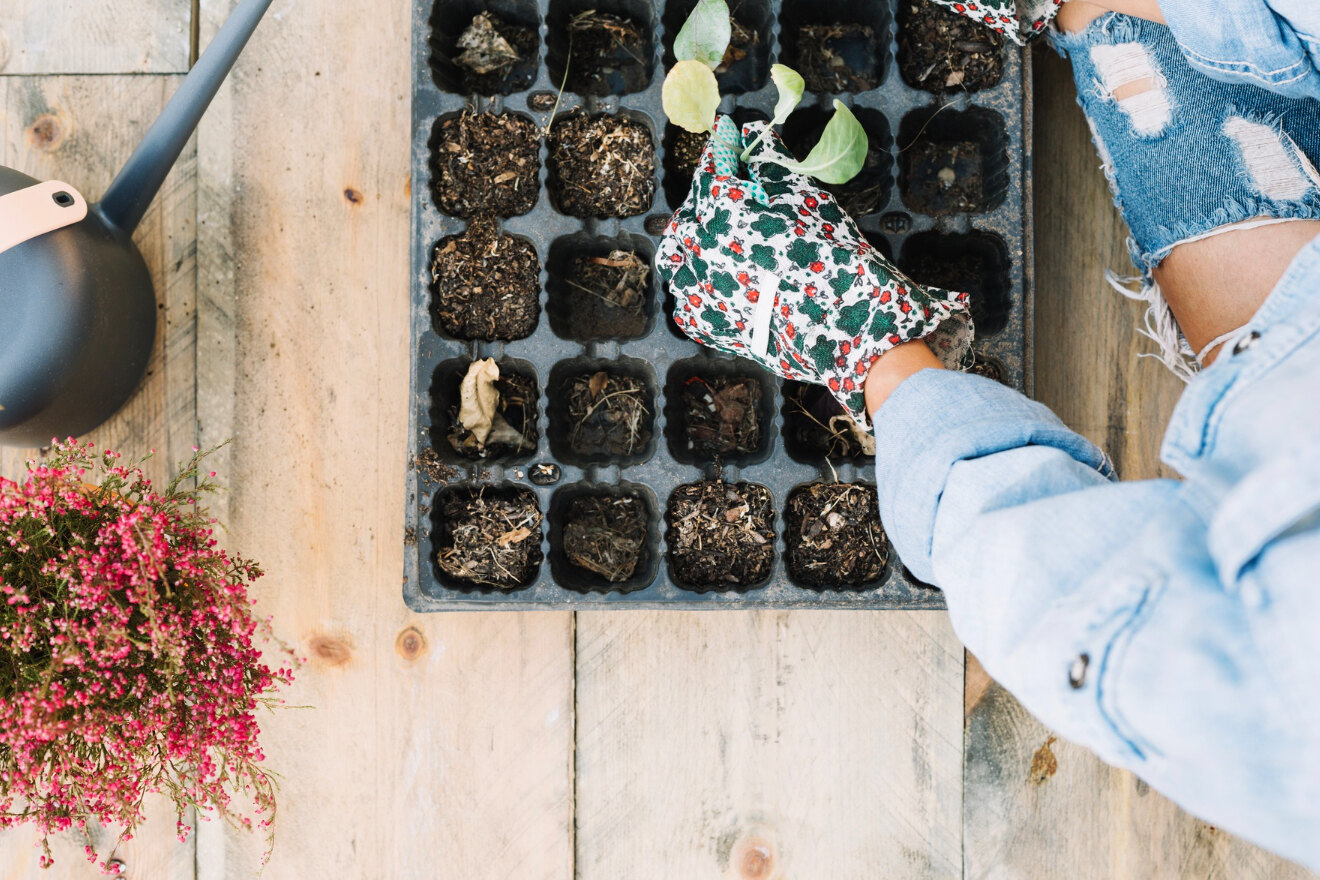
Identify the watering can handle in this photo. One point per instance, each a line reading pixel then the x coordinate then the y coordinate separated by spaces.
pixel 131 193
pixel 38 209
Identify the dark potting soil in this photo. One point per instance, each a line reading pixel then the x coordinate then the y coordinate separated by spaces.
pixel 601 166
pixel 605 534
pixel 607 295
pixel 816 424
pixel 983 366
pixel 866 192
pixel 940 50
pixel 518 407
pixel 608 414
pixel 485 164
pixel 607 54
pixel 721 415
pixel 964 272
pixel 837 58
pixel 489 538
pixel 743 41
pixel 721 535
pixel 485 285
pixel 833 537
pixel 686 152
pixel 496 57
pixel 944 178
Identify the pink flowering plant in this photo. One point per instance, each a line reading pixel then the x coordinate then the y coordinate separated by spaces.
pixel 130 660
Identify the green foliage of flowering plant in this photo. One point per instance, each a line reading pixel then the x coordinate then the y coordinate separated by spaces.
pixel 691 97
pixel 129 661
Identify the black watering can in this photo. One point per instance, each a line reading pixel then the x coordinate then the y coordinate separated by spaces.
pixel 77 307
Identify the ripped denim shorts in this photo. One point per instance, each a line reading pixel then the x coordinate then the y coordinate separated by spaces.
pixel 1187 155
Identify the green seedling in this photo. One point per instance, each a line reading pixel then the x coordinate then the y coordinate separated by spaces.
pixel 691 96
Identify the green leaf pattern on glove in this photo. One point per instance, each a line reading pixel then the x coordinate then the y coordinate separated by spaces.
pixel 1019 20
pixel 772 269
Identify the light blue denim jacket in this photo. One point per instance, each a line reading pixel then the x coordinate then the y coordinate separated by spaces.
pixel 1170 626
pixel 1274 44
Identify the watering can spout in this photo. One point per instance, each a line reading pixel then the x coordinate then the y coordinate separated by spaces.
pixel 126 200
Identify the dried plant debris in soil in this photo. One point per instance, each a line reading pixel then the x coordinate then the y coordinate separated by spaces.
pixel 485 164
pixel 685 153
pixel 511 431
pixel 497 57
pixel 721 534
pixel 607 295
pixel 721 416
pixel 605 534
pixel 742 42
pixel 836 58
pixel 833 536
pixel 602 166
pixel 983 366
pixel 608 414
pixel 607 54
pixel 940 50
pixel 485 285
pixel 818 425
pixel 944 178
pixel 488 538
pixel 429 465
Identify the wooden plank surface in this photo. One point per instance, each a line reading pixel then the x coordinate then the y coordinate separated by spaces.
pixel 1036 806
pixel 80 129
pixel 759 745
pixel 437 746
pixel 105 36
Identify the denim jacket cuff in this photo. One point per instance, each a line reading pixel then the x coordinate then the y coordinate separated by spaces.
pixel 937 418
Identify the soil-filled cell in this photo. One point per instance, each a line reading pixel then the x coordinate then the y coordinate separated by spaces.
pixel 484 47
pixel 975 262
pixel 717 410
pixel 940 50
pixel 746 63
pixel 601 47
pixel 682 153
pixel 485 285
pixel 832 536
pixel 837 46
pixel 869 191
pixel 953 161
pixel 601 411
pixel 601 288
pixel 485 164
pixel 989 367
pixel 463 426
pixel 601 166
pixel 604 538
pixel 720 535
pixel 486 538
pixel 816 426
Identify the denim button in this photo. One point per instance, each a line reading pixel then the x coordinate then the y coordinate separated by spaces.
pixel 1077 671
pixel 1246 342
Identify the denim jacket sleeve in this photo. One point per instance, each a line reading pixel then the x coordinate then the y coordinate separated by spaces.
pixel 1274 44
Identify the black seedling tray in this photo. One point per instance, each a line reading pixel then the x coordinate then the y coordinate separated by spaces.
pixel 996 119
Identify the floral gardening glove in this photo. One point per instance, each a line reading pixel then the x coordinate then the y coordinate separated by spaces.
pixel 770 268
pixel 1019 20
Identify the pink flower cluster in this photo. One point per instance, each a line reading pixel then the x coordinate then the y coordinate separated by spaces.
pixel 129 655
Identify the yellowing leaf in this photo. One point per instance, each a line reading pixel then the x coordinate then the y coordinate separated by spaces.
pixel 840 152
pixel 705 34
pixel 691 96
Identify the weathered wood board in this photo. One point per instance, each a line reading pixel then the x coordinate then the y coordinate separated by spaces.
pixel 95 36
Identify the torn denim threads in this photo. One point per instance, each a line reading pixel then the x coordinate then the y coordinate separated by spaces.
pixel 1184 153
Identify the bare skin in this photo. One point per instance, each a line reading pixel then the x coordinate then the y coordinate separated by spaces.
pixel 1212 286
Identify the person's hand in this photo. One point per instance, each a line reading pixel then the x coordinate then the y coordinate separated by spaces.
pixel 770 268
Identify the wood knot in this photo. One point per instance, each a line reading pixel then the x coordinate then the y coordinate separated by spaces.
pixel 354 196
pixel 329 650
pixel 1043 764
pixel 753 858
pixel 410 644
pixel 46 133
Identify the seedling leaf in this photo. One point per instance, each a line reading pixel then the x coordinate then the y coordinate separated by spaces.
pixel 840 152
pixel 791 86
pixel 705 35
pixel 691 96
